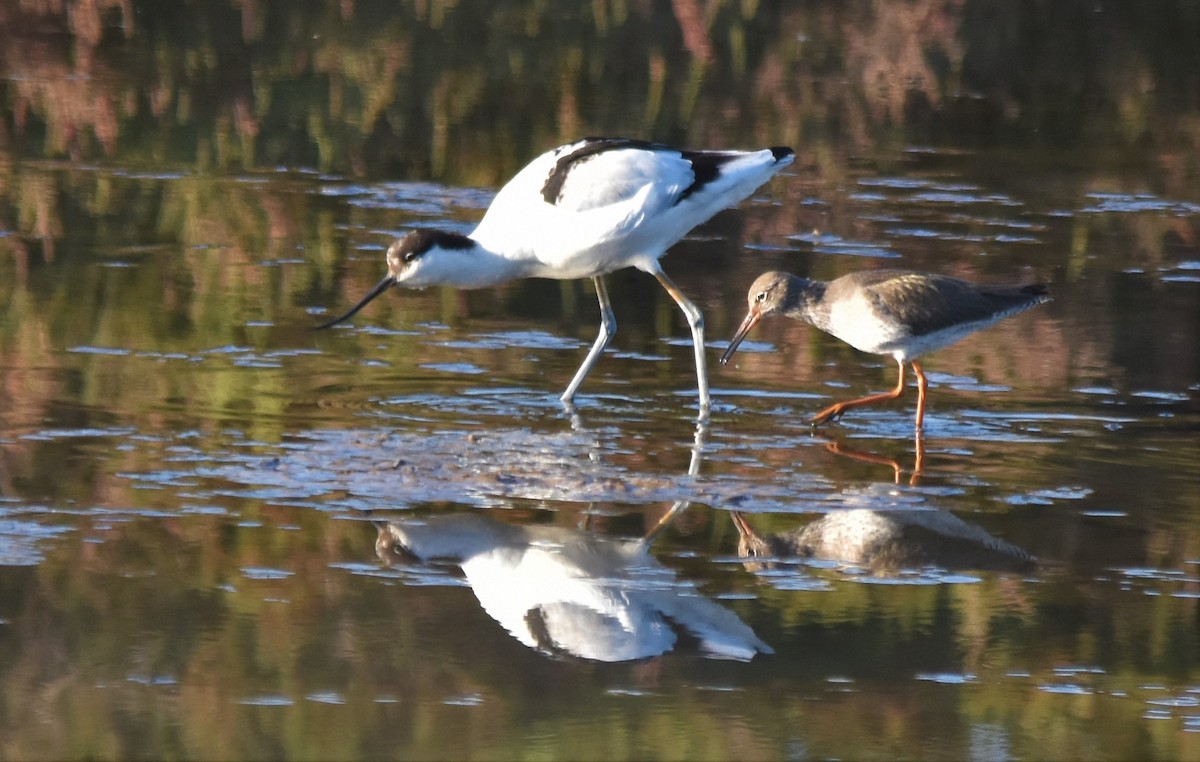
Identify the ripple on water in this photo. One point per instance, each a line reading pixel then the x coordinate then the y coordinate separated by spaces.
pixel 512 340
pixel 266 700
pixel 1049 496
pixel 1140 203
pixel 946 678
pixel 264 573
pixel 21 541
pixel 458 368
pixel 423 199
pixel 46 435
pixel 1161 396
pixel 825 243
pixel 1183 701
pixel 1182 272
pixel 1074 689
pixel 893 182
pixel 152 679
pixel 90 350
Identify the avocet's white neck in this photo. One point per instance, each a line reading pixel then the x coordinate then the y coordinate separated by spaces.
pixel 473 267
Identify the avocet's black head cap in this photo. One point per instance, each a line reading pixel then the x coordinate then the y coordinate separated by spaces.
pixel 401 256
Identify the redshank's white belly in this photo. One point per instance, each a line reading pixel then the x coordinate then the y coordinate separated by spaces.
pixel 857 322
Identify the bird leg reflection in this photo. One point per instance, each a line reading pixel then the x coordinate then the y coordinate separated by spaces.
pixel 837 448
pixel 698 447
pixel 681 505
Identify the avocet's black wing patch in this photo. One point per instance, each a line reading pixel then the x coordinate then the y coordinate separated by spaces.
pixel 706 165
pixel 552 190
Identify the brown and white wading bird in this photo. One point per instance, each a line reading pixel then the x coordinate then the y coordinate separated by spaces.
pixel 584 210
pixel 901 313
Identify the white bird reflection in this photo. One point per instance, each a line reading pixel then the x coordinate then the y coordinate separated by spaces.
pixel 567 591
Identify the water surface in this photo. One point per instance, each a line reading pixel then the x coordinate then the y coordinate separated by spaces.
pixel 193 484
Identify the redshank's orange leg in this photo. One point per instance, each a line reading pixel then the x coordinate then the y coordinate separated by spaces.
pixel 922 386
pixel 839 409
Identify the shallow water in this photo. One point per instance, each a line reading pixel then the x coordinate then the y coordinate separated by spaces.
pixel 193 483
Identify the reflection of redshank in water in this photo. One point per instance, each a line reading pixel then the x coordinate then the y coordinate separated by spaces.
pixel 886 312
pixel 887 542
pixel 582 211
pixel 838 448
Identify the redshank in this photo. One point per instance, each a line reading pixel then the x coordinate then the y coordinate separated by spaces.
pixel 901 313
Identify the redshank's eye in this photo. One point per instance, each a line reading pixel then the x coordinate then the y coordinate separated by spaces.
pixel 762 297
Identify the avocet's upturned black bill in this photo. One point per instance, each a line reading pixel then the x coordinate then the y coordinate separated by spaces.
pixel 582 211
pixel 901 313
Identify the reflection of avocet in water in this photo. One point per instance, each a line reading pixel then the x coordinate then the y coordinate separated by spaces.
pixel 572 592
pixel 887 542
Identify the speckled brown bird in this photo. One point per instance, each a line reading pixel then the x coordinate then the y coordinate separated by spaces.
pixel 902 313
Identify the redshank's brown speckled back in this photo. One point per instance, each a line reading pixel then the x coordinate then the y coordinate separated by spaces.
pixel 901 313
